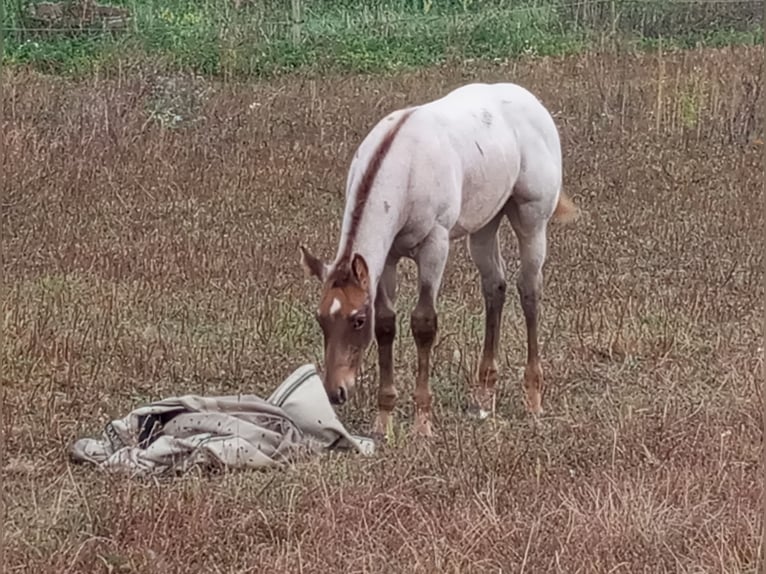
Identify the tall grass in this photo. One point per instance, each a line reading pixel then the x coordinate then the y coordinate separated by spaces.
pixel 245 37
pixel 146 262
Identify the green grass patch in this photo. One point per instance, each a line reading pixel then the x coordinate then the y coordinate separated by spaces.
pixel 259 39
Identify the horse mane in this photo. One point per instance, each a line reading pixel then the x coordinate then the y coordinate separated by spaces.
pixel 365 187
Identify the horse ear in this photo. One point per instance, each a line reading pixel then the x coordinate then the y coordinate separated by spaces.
pixel 312 265
pixel 360 271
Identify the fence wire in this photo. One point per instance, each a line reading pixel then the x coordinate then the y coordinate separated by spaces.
pixel 216 37
pixel 355 17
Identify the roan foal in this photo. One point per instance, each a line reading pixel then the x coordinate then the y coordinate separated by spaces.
pixel 423 176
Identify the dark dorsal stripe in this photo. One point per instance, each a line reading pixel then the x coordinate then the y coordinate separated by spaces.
pixel 365 187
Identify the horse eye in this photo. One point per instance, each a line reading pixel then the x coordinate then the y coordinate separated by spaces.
pixel 359 321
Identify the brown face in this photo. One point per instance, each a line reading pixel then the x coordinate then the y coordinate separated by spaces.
pixel 345 316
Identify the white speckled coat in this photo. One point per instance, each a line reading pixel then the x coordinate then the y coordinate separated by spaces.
pixel 423 176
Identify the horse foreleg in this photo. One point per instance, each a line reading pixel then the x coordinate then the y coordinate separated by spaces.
pixel 431 260
pixel 385 333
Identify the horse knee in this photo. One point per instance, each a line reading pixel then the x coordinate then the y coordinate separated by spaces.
pixel 495 290
pixel 424 325
pixel 385 328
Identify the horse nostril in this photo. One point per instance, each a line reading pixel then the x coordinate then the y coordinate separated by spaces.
pixel 342 395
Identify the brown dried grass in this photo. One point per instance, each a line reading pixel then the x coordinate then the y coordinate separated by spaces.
pixel 142 262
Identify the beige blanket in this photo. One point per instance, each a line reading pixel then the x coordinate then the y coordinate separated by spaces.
pixel 234 431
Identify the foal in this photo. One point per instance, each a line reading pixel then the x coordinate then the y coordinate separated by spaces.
pixel 423 176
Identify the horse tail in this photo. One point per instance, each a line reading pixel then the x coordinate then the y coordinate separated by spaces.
pixel 566 211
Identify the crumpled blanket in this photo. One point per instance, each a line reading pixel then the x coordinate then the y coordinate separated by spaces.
pixel 176 434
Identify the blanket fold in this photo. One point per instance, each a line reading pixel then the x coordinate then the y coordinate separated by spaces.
pixel 230 431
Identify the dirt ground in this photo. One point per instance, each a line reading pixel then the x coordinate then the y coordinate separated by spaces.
pixel 149 235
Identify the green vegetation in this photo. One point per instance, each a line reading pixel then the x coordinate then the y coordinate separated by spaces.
pixel 249 38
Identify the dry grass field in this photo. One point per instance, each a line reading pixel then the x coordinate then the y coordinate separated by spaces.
pixel 149 235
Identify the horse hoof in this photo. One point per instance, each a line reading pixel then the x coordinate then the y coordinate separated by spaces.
pixel 474 411
pixel 422 428
pixel 380 439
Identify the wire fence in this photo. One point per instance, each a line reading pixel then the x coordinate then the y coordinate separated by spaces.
pixel 254 36
pixel 675 16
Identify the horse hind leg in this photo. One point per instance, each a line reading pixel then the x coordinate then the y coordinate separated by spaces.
pixel 530 229
pixel 484 247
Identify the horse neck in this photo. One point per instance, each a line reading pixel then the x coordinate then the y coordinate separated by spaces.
pixel 373 242
pixel 373 217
